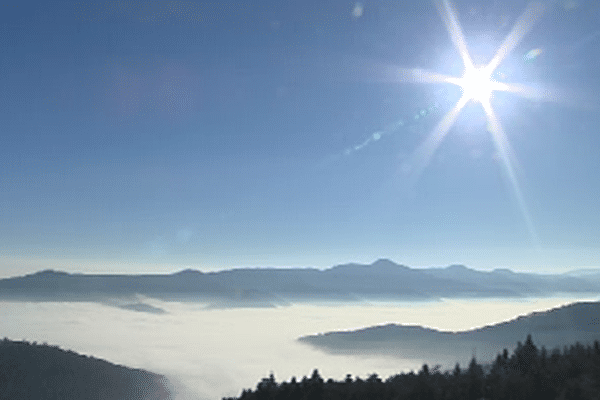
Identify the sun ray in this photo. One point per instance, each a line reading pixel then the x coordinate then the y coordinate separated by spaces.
pixel 452 25
pixel 477 85
pixel 505 152
pixel 530 93
pixel 417 75
pixel 423 154
pixel 523 25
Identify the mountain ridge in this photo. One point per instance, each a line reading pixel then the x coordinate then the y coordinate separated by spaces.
pixel 576 322
pixel 381 280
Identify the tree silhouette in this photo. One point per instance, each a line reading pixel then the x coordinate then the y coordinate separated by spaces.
pixel 526 374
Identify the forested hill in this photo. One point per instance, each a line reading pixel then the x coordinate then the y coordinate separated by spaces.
pixel 40 371
pixel 529 373
pixel 566 324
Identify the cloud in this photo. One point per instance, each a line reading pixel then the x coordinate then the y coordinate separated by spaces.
pixel 209 354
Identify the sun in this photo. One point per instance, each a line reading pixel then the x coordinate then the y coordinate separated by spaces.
pixel 477 84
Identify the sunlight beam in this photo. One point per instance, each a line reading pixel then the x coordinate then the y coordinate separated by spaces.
pixel 417 75
pixel 424 153
pixel 523 25
pixel 528 92
pixel 477 84
pixel 506 155
pixel 455 31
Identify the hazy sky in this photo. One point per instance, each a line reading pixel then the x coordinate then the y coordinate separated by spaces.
pixel 140 136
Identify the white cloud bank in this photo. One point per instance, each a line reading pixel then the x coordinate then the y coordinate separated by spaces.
pixel 209 354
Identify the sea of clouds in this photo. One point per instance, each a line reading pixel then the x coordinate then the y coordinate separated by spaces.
pixel 212 353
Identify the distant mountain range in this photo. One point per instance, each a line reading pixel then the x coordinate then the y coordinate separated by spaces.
pixel 268 287
pixel 40 371
pixel 553 328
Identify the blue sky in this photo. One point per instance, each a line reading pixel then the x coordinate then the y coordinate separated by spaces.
pixel 152 136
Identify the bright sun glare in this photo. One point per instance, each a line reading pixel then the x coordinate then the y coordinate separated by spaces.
pixel 477 85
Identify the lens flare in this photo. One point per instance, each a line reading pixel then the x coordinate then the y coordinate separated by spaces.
pixel 477 85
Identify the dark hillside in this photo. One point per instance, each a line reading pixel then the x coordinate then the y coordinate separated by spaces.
pixel 577 322
pixel 530 373
pixel 39 371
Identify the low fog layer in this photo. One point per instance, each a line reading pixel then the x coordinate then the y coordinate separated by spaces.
pixel 211 353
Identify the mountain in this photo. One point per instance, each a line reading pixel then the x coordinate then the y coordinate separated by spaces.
pixel 39 371
pixel 269 287
pixel 507 281
pixel 583 272
pixel 591 275
pixel 556 327
pixel 50 285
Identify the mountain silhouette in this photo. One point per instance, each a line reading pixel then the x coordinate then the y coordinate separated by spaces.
pixel 268 287
pixel 578 322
